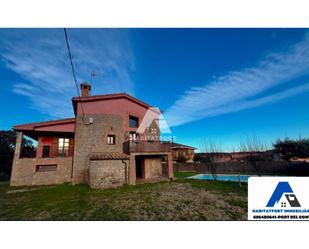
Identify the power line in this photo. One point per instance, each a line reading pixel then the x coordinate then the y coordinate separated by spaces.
pixel 72 66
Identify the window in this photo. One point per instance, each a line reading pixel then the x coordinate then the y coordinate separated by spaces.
pixel 111 139
pixel 133 122
pixel 46 151
pixel 63 146
pixel 45 168
pixel 153 131
pixel 133 136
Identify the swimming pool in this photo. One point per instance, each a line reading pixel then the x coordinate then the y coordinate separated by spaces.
pixel 232 178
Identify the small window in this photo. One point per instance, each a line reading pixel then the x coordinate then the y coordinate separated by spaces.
pixel 133 122
pixel 111 139
pixel 153 131
pixel 46 168
pixel 46 151
pixel 63 146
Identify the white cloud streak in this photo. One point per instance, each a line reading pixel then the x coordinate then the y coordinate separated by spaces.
pixel 40 58
pixel 236 90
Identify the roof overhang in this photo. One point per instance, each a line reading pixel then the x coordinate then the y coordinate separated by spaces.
pixel 181 146
pixel 49 128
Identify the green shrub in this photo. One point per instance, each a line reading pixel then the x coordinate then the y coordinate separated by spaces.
pixel 289 148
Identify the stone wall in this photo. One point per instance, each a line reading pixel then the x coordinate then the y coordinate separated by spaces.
pixel 92 138
pixel 108 173
pixel 24 171
pixel 265 168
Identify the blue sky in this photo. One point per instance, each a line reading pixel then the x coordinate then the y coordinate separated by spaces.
pixel 219 84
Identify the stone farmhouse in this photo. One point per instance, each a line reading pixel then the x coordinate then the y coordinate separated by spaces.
pixel 114 139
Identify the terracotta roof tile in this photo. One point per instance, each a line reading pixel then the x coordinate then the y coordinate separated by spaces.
pixel 109 156
pixel 106 97
pixel 182 146
pixel 32 126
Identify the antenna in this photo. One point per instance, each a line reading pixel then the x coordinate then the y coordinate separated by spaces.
pixel 92 75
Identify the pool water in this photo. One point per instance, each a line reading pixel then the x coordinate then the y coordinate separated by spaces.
pixel 233 178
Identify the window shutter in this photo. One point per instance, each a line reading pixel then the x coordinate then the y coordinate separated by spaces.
pixel 54 151
pixel 71 147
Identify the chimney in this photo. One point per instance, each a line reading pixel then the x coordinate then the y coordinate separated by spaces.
pixel 85 87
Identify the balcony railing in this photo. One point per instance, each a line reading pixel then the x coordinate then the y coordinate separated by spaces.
pixel 145 146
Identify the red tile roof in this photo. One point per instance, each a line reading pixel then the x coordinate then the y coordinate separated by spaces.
pixel 109 156
pixel 106 97
pixel 181 146
pixel 34 126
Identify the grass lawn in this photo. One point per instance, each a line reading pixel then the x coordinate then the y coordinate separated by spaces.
pixel 184 174
pixel 182 199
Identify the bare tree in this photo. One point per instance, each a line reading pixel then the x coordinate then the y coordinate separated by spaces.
pixel 252 144
pixel 213 150
pixel 255 148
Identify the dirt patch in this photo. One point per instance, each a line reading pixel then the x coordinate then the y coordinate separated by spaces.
pixel 180 201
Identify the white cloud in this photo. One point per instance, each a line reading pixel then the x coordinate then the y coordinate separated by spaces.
pixel 232 92
pixel 246 104
pixel 40 57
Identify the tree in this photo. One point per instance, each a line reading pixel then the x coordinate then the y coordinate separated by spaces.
pixel 213 150
pixel 257 162
pixel 7 147
pixel 198 158
pixel 252 144
pixel 255 148
pixel 289 148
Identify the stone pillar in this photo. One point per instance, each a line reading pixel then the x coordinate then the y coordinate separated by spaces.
pixel 132 170
pixel 19 140
pixel 170 170
pixel 17 151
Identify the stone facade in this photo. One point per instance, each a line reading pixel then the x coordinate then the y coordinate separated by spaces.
pixel 108 173
pixel 92 138
pixel 25 172
pixel 62 174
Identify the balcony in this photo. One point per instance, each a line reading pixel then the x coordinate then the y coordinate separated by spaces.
pixel 139 146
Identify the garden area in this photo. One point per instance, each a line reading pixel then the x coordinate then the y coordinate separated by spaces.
pixel 182 199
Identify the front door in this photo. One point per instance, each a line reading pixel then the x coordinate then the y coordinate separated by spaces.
pixel 139 167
